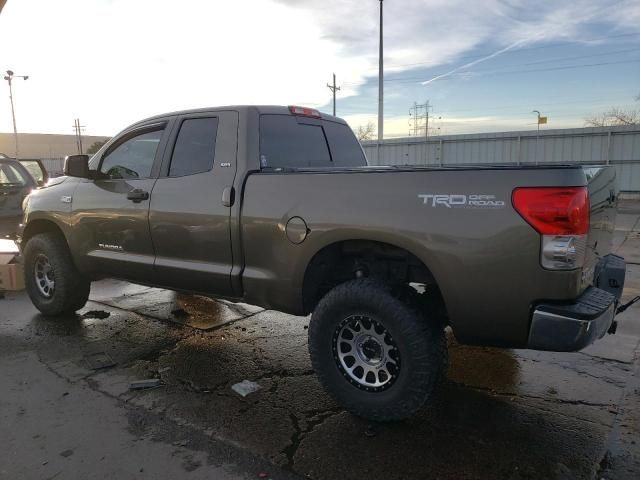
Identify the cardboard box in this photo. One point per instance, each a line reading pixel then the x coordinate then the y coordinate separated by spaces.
pixel 11 277
pixel 11 272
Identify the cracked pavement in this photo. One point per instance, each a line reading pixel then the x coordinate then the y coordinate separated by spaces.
pixel 512 414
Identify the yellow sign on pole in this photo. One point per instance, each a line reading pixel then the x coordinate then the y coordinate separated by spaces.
pixel 542 120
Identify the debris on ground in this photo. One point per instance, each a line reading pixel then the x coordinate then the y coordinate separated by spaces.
pixel 245 387
pixel 370 431
pixel 144 384
pixel 99 360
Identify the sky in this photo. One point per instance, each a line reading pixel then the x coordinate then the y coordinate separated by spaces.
pixel 482 65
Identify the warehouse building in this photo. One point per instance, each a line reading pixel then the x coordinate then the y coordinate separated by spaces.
pixel 50 148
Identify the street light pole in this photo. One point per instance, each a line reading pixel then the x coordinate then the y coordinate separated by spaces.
pixel 538 134
pixel 9 77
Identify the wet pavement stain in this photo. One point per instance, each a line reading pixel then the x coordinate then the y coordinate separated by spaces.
pixel 490 368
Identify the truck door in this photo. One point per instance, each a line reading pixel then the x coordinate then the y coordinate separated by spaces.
pixel 190 204
pixel 111 211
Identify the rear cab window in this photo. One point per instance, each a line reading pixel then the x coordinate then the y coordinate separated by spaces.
pixel 289 141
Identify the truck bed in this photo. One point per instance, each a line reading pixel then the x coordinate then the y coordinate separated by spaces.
pixel 484 258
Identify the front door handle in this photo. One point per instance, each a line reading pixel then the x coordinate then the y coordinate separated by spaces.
pixel 137 195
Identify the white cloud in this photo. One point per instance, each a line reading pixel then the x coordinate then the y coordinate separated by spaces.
pixel 111 62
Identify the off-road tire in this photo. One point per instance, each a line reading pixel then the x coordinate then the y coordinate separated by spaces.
pixel 421 346
pixel 71 290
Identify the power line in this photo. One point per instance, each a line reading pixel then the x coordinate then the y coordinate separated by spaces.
pixel 510 72
pixel 578 57
pixel 511 107
pixel 510 52
pixel 518 50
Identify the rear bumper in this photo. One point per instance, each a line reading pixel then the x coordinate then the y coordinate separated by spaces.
pixel 572 327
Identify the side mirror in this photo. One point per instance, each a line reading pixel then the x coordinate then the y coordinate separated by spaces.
pixel 76 166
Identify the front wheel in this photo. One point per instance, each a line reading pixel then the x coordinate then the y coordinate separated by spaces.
pixel 53 283
pixel 378 356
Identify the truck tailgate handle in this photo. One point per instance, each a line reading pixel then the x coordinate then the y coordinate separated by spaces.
pixel 228 196
pixel 137 195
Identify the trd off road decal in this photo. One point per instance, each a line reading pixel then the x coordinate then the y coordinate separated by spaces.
pixel 461 201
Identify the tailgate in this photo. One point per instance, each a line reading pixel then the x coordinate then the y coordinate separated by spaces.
pixel 602 197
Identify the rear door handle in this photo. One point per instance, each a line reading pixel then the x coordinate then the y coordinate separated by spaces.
pixel 137 195
pixel 228 196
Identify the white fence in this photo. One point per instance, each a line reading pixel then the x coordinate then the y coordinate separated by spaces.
pixel 619 146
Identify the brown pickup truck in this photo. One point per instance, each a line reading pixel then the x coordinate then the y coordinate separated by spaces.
pixel 277 207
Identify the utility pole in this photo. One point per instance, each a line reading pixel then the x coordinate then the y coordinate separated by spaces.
pixel 419 116
pixel 380 84
pixel 9 78
pixel 333 88
pixel 78 129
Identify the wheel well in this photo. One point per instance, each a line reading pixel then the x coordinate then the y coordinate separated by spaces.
pixel 346 260
pixel 40 226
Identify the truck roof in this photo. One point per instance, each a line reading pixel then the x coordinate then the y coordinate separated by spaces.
pixel 259 109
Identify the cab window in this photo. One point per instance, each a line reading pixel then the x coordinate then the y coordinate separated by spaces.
pixel 195 147
pixel 133 158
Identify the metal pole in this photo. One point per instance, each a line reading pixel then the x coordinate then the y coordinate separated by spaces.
pixel 426 133
pixel 9 78
pixel 13 116
pixel 334 94
pixel 380 84
pixel 75 131
pixel 79 136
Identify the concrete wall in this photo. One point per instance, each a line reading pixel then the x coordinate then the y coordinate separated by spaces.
pixel 619 146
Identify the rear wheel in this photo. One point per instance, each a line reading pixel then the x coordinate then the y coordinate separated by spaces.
pixel 378 356
pixel 53 283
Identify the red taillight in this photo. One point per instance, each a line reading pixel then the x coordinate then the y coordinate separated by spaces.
pixel 554 210
pixel 304 111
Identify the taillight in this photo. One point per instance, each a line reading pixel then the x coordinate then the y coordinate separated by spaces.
pixel 554 211
pixel 561 216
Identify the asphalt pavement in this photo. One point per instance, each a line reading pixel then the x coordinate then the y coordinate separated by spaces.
pixel 67 409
